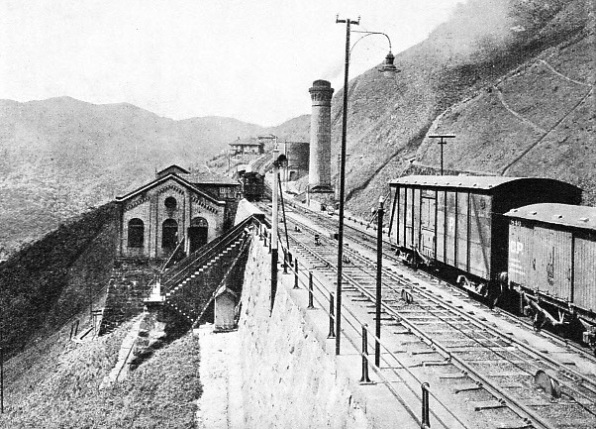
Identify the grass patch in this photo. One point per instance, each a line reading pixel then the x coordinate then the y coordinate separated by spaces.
pixel 62 389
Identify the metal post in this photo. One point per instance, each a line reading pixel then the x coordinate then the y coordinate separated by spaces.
pixel 285 261
pixel 90 304
pixel 2 365
pixel 331 316
pixel 310 291
pixel 1 377
pixel 380 213
pixel 442 143
pixel 364 379
pixel 274 221
pixel 2 309
pixel 425 406
pixel 342 183
pixel 296 273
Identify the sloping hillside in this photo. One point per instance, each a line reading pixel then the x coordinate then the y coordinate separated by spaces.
pixel 61 156
pixel 512 80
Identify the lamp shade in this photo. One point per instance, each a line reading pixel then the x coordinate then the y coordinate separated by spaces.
pixel 388 69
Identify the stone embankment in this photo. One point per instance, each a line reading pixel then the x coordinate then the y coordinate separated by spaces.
pixel 279 369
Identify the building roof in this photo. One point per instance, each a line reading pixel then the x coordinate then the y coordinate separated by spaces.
pixel 172 169
pixel 465 182
pixel 204 178
pixel 557 214
pixel 165 178
pixel 252 141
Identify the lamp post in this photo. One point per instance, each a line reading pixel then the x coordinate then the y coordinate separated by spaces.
pixel 380 213
pixel 388 71
pixel 2 306
pixel 274 222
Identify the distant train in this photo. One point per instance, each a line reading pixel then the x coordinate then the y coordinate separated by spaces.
pixel 461 224
pixel 253 186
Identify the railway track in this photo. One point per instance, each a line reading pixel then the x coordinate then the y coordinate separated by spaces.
pixel 482 369
pixel 368 240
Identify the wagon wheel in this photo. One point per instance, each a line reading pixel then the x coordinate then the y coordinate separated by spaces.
pixel 412 261
pixel 494 294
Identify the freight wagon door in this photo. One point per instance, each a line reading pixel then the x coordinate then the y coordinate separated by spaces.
pixel 584 279
pixel 428 220
pixel 409 219
pixel 552 261
pixel 520 253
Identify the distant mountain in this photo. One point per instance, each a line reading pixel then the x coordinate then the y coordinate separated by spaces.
pixel 61 155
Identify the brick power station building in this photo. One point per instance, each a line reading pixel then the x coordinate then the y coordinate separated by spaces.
pixel 177 207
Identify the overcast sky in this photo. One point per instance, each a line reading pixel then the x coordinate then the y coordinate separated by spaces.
pixel 253 60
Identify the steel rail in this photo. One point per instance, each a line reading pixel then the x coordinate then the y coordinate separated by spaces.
pixel 568 372
pixel 389 352
pixel 513 403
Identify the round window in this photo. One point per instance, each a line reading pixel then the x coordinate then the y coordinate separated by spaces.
pixel 171 203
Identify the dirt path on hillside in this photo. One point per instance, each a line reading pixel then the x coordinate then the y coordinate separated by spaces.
pixel 220 405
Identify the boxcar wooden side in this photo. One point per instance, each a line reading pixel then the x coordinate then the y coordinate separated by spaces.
pixel 552 249
pixel 458 221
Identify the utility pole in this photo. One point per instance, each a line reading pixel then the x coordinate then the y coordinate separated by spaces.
pixel 442 143
pixel 1 350
pixel 274 222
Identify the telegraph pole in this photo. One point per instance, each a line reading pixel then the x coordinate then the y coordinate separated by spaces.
pixel 274 222
pixel 442 143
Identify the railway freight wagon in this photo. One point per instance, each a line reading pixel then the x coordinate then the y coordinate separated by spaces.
pixel 253 186
pixel 457 223
pixel 552 264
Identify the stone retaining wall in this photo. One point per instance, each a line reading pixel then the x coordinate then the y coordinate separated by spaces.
pixel 289 379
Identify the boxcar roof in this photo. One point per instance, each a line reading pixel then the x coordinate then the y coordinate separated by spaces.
pixel 558 214
pixel 465 182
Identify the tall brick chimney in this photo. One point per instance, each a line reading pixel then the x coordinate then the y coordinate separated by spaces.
pixel 319 175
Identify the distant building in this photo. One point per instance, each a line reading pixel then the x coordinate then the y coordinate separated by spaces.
pixel 249 145
pixel 177 207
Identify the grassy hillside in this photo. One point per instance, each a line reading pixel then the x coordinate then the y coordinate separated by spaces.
pixel 59 387
pixel 48 282
pixel 513 80
pixel 61 156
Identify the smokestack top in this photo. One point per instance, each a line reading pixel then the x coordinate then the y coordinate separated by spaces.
pixel 321 82
pixel 321 93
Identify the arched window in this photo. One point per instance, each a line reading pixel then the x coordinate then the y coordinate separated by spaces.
pixel 198 233
pixel 199 222
pixel 171 203
pixel 136 232
pixel 169 236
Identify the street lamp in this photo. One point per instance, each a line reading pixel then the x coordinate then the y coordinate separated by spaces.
pixel 388 70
